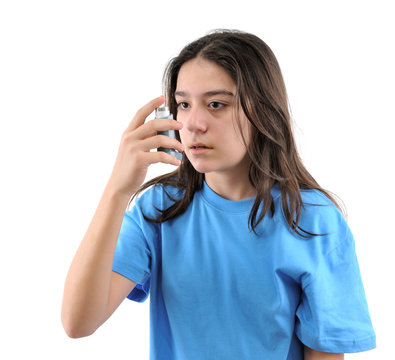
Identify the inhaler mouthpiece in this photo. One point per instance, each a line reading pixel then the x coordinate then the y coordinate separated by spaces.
pixel 162 112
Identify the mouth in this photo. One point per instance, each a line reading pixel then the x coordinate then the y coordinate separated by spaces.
pixel 200 146
pixel 198 150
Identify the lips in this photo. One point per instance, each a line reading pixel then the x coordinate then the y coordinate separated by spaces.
pixel 200 146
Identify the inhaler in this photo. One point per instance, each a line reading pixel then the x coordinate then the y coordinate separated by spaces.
pixel 163 112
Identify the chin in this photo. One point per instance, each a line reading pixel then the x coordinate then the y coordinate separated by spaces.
pixel 201 168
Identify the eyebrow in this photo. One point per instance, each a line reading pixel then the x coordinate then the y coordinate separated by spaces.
pixel 207 93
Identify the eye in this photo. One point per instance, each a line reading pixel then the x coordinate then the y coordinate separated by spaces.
pixel 215 105
pixel 183 105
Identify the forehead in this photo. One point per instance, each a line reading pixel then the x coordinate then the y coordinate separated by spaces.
pixel 198 76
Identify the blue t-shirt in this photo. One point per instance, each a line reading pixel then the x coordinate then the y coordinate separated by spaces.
pixel 219 291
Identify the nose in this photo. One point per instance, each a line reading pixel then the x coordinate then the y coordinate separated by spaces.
pixel 195 120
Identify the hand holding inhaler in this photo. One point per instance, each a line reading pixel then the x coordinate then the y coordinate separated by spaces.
pixel 134 155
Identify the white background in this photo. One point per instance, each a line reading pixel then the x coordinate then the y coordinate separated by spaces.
pixel 72 75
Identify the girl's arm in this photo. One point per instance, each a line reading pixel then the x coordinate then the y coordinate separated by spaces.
pixel 92 290
pixel 310 354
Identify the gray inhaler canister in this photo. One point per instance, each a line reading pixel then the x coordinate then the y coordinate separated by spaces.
pixel 163 112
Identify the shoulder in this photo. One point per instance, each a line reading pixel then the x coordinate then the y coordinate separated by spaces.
pixel 318 207
pixel 315 197
pixel 319 215
pixel 315 204
pixel 158 196
pixel 159 192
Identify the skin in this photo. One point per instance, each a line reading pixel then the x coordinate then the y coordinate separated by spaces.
pixel 310 354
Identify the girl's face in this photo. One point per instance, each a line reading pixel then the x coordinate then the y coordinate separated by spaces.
pixel 205 96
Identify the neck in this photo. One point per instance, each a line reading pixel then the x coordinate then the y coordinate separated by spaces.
pixel 230 188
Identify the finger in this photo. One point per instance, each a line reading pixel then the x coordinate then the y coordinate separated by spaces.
pixel 150 128
pixel 161 141
pixel 162 157
pixel 142 113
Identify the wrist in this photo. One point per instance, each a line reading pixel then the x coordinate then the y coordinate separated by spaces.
pixel 114 194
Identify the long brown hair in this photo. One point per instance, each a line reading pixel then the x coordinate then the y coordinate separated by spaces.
pixel 262 96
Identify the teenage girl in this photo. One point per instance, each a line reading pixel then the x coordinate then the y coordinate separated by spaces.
pixel 243 254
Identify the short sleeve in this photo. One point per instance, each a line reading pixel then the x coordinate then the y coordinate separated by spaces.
pixel 333 314
pixel 132 257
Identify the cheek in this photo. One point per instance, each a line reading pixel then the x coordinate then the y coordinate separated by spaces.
pixel 232 136
pixel 183 135
pixel 179 119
